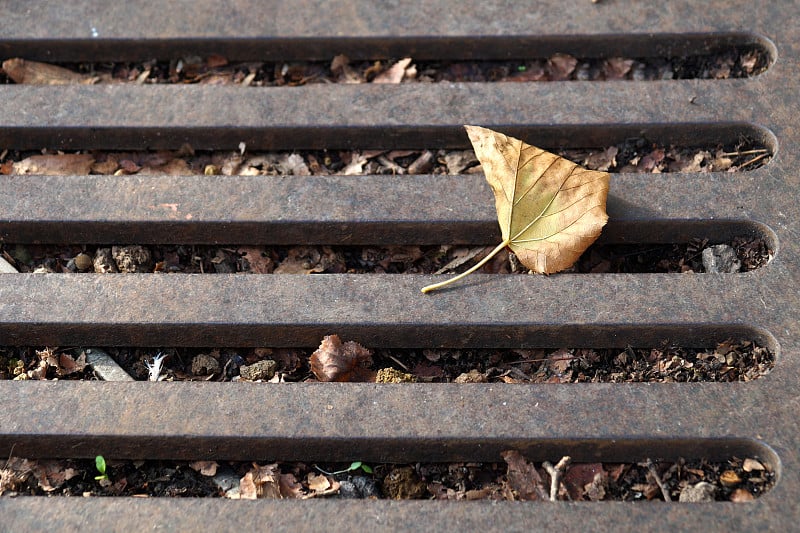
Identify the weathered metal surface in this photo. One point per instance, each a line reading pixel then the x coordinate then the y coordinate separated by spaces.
pixel 411 422
pixel 351 209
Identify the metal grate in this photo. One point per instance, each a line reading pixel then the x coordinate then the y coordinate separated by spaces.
pixel 609 422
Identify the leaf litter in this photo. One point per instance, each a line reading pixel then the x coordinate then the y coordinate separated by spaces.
pixel 741 62
pixel 512 479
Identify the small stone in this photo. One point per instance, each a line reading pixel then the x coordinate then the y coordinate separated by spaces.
pixel 721 259
pixel 392 375
pixel 473 376
pixel 203 365
pixel 701 492
pixel 132 258
pixel 741 495
pixel 83 261
pixel 751 464
pixel 103 262
pixel 260 370
pixel 729 478
pixel 348 490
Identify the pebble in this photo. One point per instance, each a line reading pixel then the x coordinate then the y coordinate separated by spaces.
pixel 392 375
pixel 721 259
pixel 203 365
pixel 103 262
pixel 359 487
pixel 701 492
pixel 105 367
pixel 132 258
pixel 263 370
pixel 83 262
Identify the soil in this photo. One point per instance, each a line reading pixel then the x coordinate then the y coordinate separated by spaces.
pixel 741 62
pixel 736 479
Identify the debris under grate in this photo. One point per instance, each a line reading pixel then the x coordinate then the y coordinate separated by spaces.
pixel 742 62
pixel 736 480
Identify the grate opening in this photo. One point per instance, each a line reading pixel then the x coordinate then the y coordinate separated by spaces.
pixel 668 362
pixel 633 155
pixel 736 479
pixel 742 254
pixel 472 47
pixel 744 61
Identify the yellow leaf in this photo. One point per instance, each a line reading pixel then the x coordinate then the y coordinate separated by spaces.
pixel 549 208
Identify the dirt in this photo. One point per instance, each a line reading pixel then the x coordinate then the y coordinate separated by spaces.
pixel 739 62
pixel 728 361
pixel 736 479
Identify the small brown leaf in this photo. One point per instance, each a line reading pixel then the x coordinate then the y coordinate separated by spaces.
pixel 561 66
pixel 259 262
pixel 318 483
pixel 260 482
pixel 290 487
pixel 523 477
pixel 338 361
pixel 35 73
pixel 247 487
pixel 393 74
pixel 55 165
pixel 68 365
pixel 206 468
pixel 579 475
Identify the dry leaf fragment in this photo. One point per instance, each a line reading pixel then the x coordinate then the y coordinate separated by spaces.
pixel 261 482
pixel 549 208
pixel 35 73
pixel 395 73
pixel 55 165
pixel 206 468
pixel 523 477
pixel 335 360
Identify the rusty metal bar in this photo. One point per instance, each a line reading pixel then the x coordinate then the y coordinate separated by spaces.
pixel 382 310
pixel 348 209
pixel 127 116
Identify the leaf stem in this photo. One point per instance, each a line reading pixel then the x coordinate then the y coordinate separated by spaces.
pixel 482 262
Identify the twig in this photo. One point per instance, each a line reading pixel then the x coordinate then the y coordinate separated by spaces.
pixel 570 358
pixel 652 470
pixel 746 152
pixel 755 159
pixel 396 360
pixel 555 474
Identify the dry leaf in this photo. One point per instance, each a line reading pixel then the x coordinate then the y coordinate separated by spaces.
pixel 206 468
pixel 55 165
pixel 523 477
pixel 290 487
pixel 259 262
pixel 338 361
pixel 395 73
pixel 549 208
pixel 579 476
pixel 35 73
pixel 261 482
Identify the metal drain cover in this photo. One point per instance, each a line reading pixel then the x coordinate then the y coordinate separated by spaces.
pixel 404 423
